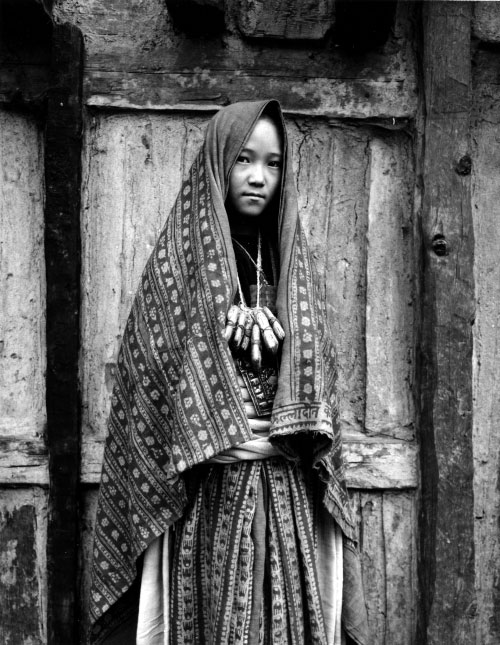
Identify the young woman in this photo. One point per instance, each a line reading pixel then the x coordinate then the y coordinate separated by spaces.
pixel 223 461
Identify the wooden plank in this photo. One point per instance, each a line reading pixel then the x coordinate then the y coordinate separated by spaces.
pixel 23 460
pixel 22 282
pixel 62 255
pixel 291 19
pixel 486 376
pixel 390 290
pixel 331 165
pixel 136 59
pixel 23 572
pixel 446 572
pixel 387 541
pixel 203 90
pixel 373 564
pixel 400 541
pixel 132 172
pixel 381 464
pixel 368 192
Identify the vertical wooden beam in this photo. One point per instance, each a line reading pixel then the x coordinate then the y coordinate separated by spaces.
pixel 486 201
pixel 62 256
pixel 447 514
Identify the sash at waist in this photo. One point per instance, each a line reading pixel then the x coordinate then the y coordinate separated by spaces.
pixel 258 448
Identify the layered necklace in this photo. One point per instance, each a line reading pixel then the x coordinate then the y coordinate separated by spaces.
pixel 247 328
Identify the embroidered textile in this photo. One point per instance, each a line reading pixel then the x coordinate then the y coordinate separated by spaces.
pixel 213 579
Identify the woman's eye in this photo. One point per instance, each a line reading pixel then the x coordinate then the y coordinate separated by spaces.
pixel 275 164
pixel 243 159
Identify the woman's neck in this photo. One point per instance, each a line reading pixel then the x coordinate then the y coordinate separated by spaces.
pixel 241 225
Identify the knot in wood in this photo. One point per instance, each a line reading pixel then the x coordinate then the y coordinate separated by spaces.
pixel 464 165
pixel 439 245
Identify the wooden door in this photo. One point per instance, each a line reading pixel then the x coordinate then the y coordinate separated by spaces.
pixel 356 182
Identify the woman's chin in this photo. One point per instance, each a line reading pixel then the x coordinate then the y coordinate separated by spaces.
pixel 251 213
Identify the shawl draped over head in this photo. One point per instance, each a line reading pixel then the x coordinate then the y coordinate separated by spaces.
pixel 177 402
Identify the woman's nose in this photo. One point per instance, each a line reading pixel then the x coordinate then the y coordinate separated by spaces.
pixel 256 174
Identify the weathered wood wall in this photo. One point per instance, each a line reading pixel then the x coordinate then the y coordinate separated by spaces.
pixel 355 186
pixel 23 457
pixel 447 528
pixel 383 184
pixel 139 57
pixel 486 330
pixel 356 183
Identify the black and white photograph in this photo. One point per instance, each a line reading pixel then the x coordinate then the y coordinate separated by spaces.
pixel 249 322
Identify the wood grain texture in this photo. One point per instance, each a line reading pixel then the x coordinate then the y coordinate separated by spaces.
pixel 387 541
pixel 391 290
pixel 355 198
pixel 292 19
pixel 136 58
pixel 23 570
pixel 332 169
pixel 23 460
pixel 22 280
pixel 133 169
pixel 375 464
pixel 88 505
pixel 400 539
pixel 486 364
pixel 132 172
pixel 447 518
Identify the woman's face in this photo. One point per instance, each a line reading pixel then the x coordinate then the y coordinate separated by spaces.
pixel 256 175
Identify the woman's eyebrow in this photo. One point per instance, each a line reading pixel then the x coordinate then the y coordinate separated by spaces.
pixel 247 150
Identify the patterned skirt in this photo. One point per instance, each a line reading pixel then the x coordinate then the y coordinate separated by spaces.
pixel 253 561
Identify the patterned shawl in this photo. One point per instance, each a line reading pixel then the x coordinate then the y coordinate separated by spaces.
pixel 176 400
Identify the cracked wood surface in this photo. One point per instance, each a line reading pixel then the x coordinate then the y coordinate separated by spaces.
pixel 23 566
pixel 447 575
pixel 136 58
pixel 22 310
pixel 486 334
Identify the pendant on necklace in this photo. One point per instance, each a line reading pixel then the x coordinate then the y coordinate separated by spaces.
pixel 249 328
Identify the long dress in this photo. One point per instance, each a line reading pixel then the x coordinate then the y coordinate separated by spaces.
pixel 252 513
pixel 239 543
